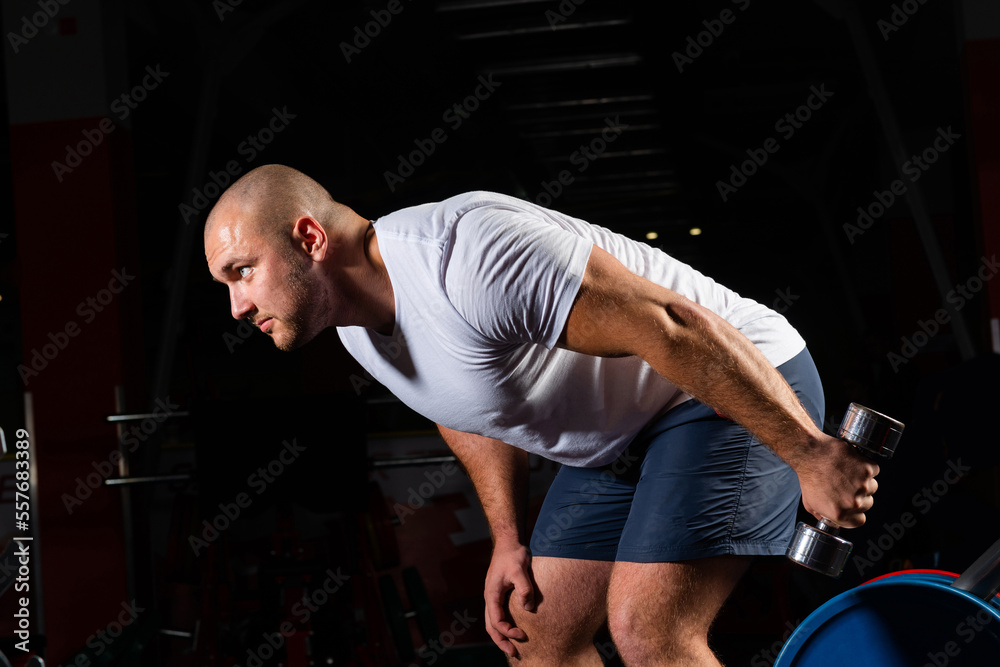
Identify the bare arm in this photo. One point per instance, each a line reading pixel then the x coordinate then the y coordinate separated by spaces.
pixel 618 313
pixel 500 474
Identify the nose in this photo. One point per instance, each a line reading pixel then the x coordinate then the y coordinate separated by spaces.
pixel 239 303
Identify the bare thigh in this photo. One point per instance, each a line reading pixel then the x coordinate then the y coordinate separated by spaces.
pixel 660 613
pixel 571 606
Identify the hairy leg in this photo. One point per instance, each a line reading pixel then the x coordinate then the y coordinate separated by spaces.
pixel 660 613
pixel 571 606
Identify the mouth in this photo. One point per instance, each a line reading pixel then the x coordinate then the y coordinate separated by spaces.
pixel 265 324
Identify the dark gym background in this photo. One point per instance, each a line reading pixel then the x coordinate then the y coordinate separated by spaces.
pixel 107 306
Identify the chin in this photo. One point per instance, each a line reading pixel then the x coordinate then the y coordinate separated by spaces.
pixel 289 343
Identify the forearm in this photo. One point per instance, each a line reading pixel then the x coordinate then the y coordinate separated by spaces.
pixel 710 359
pixel 618 313
pixel 499 473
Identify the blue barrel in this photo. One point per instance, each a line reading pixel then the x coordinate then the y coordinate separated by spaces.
pixel 910 619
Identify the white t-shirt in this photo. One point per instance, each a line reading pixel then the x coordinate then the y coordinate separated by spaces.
pixel 483 285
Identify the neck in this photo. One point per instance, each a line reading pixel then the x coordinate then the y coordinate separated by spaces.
pixel 383 302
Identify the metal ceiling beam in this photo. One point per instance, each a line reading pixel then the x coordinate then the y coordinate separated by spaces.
pixel 543 29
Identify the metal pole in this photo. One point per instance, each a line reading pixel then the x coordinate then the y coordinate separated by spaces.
pixel 914 197
pixel 982 578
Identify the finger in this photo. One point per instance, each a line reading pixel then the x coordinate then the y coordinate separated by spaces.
pixel 497 619
pixel 524 591
pixel 502 643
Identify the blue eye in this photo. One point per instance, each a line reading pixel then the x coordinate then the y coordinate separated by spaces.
pixel 242 269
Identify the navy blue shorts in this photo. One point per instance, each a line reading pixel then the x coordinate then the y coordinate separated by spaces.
pixel 691 485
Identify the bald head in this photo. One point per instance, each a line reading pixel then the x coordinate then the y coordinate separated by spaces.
pixel 268 201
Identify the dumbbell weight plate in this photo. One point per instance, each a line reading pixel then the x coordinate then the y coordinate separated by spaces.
pixel 872 432
pixel 818 550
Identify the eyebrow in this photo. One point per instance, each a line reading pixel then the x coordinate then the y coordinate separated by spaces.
pixel 229 266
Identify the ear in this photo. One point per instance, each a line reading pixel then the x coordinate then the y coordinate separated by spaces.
pixel 310 236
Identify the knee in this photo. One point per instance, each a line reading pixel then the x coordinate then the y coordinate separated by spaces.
pixel 551 640
pixel 642 637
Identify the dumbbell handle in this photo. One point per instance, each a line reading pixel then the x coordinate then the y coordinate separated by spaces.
pixel 872 434
pixel 820 548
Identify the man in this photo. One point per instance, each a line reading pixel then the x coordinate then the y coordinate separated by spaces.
pixel 518 329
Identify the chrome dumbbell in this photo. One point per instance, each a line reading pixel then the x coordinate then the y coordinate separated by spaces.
pixel 820 548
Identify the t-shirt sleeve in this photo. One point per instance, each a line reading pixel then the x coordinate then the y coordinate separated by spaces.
pixel 513 276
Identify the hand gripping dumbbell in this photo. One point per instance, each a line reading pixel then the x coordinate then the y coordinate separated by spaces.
pixel 821 549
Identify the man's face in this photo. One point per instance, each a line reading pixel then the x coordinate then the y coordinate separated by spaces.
pixel 274 290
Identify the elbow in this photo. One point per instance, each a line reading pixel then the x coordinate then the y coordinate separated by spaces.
pixel 683 327
pixel 683 316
